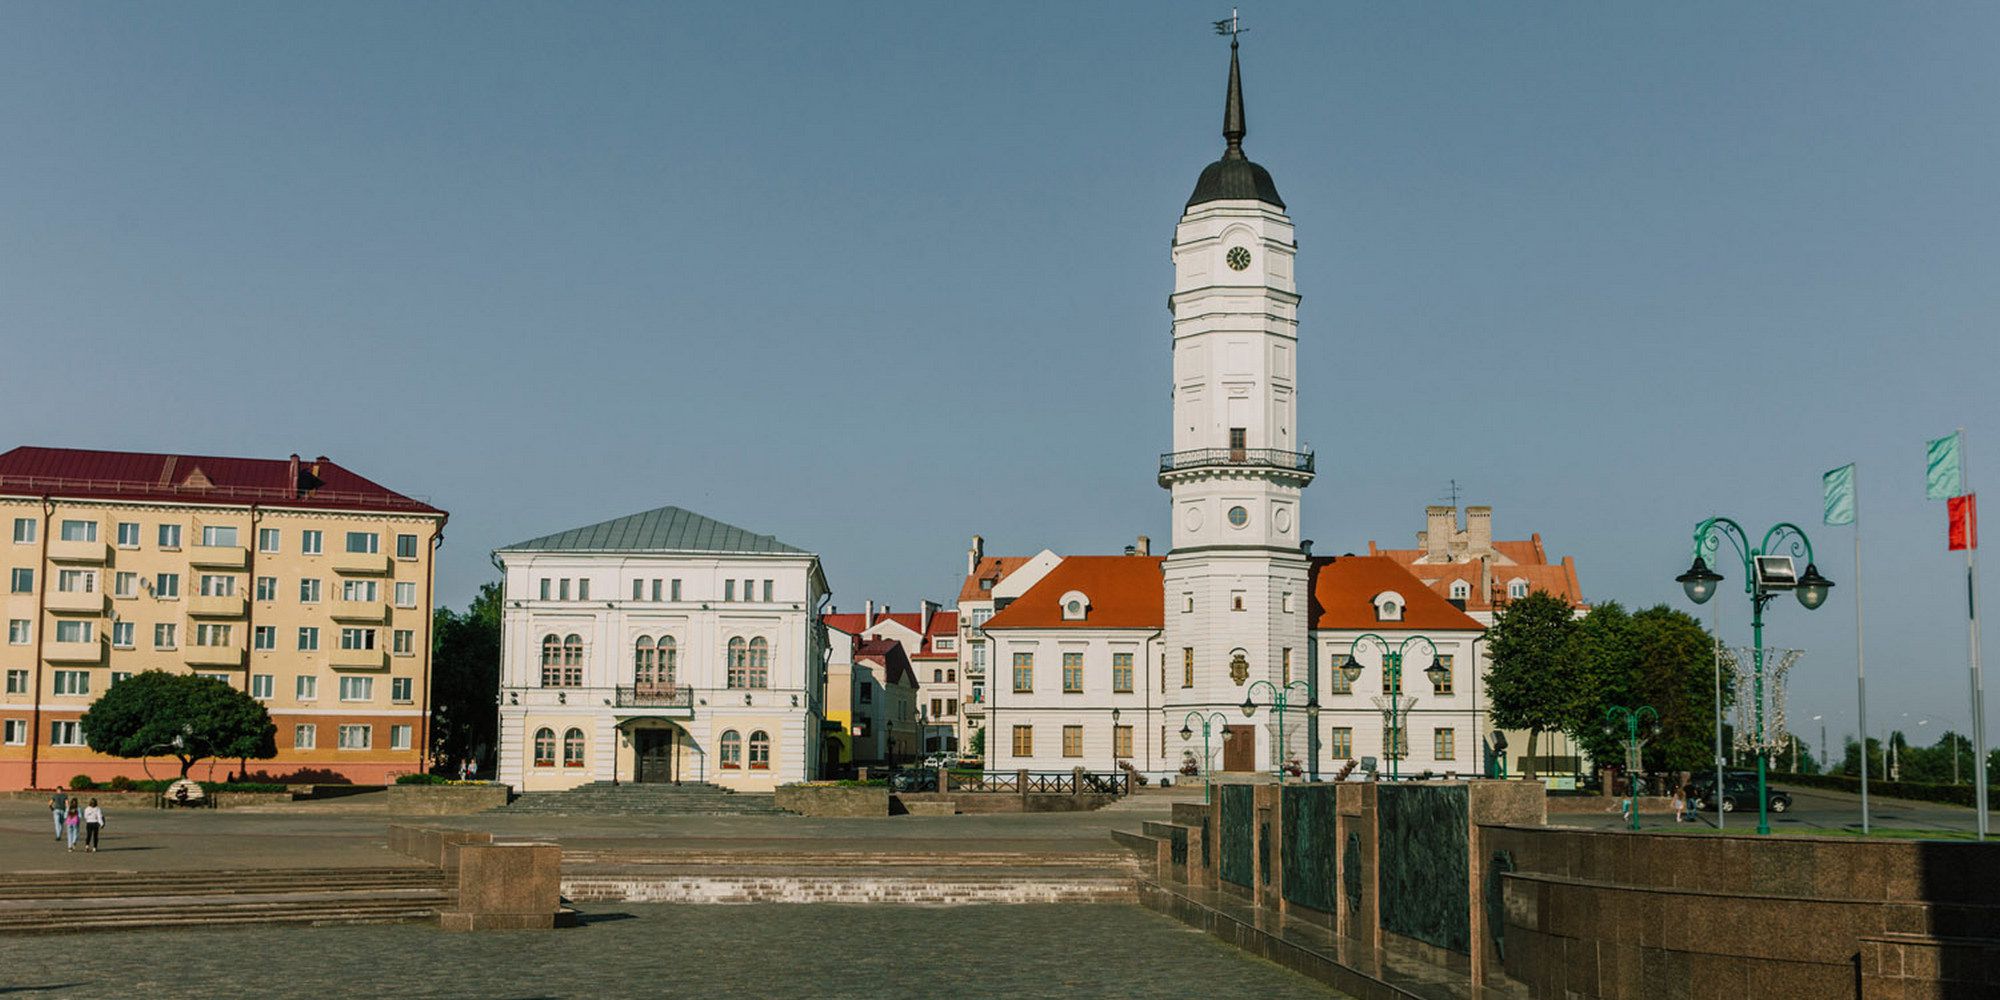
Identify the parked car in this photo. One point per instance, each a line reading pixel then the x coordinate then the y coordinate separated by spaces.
pixel 940 759
pixel 1739 794
pixel 918 779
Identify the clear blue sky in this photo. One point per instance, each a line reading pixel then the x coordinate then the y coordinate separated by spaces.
pixel 876 277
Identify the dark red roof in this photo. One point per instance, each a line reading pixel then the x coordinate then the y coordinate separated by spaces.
pixel 1124 592
pixel 1344 591
pixel 888 654
pixel 83 474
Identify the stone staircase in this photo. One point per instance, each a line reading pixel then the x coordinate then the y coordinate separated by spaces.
pixel 58 902
pixel 602 798
pixel 1164 848
pixel 909 874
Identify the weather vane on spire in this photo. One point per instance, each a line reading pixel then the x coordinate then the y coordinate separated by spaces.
pixel 1231 26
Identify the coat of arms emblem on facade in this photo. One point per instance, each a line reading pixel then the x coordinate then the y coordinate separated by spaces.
pixel 1239 668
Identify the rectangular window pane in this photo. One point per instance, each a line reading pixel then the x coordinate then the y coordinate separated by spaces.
pixel 1024 672
pixel 128 534
pixel 218 535
pixel 260 685
pixel 729 590
pixel 308 637
pixel 267 588
pixel 24 530
pixel 399 689
pixel 406 595
pixel 267 539
pixel 306 687
pixel 170 536
pixel 167 586
pixel 406 546
pixel 305 736
pixel 266 637
pixel 364 542
pixel 164 637
pixel 312 542
pixel 308 591
pixel 124 634
pixel 79 531
pixel 1072 673
pixel 21 581
pixel 125 585
pixel 1072 741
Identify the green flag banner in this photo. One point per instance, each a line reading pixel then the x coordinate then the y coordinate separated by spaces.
pixel 1839 495
pixel 1943 478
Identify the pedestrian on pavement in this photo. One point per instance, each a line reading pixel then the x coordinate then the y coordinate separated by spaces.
pixel 72 821
pixel 56 804
pixel 93 821
pixel 1680 805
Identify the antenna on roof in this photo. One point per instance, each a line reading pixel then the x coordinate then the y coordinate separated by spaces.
pixel 1453 497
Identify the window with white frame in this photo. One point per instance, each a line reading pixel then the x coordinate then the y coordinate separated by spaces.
pixel 305 736
pixel 306 688
pixel 399 737
pixel 308 591
pixel 19 632
pixel 17 682
pixel 403 642
pixel 399 690
pixel 21 581
pixel 218 535
pixel 166 586
pixel 128 534
pixel 74 631
pixel 24 530
pixel 1075 606
pixel 261 685
pixel 125 585
pixel 406 546
pixel 406 594
pixel 357 737
pixel 358 590
pixel 357 638
pixel 16 732
pixel 170 536
pixel 65 734
pixel 213 634
pixel 364 542
pixel 166 635
pixel 268 539
pixel 119 675
pixel 357 689
pixel 77 581
pixel 267 588
pixel 79 531
pixel 124 634
pixel 1460 590
pixel 218 585
pixel 1517 589
pixel 312 543
pixel 73 682
pixel 308 637
pixel 1388 606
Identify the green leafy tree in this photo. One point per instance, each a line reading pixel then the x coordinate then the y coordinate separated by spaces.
pixel 1533 679
pixel 1658 657
pixel 465 678
pixel 976 746
pixel 184 716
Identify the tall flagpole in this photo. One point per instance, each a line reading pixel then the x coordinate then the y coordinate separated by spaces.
pixel 1972 642
pixel 1860 670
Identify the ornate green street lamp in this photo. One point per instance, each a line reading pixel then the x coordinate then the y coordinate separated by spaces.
pixel 1278 695
pixel 1392 702
pixel 1765 576
pixel 1209 724
pixel 1631 719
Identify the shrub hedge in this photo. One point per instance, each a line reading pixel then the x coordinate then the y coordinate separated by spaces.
pixel 423 779
pixel 1916 790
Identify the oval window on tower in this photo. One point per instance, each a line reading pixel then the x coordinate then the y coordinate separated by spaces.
pixel 1238 516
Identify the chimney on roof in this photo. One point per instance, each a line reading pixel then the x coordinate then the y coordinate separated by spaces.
pixel 292 474
pixel 1131 550
pixel 1306 547
pixel 1440 522
pixel 1486 579
pixel 868 614
pixel 924 609
pixel 1478 530
pixel 974 554
pixel 1145 546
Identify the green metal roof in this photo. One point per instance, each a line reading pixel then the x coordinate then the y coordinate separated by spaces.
pixel 666 529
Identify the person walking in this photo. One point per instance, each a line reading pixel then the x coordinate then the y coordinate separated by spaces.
pixel 93 821
pixel 1680 805
pixel 56 804
pixel 72 821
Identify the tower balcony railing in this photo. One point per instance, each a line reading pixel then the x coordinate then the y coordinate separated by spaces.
pixel 660 696
pixel 1260 458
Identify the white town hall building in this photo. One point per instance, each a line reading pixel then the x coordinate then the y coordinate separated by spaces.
pixel 1106 661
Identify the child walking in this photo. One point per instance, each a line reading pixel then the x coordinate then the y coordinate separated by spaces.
pixel 72 819
pixel 93 821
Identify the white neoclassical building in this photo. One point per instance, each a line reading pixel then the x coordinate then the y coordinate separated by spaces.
pixel 660 647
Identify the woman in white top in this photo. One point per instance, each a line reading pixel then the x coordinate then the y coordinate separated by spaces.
pixel 93 821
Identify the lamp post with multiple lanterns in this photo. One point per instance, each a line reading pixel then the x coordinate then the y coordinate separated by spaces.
pixel 1765 576
pixel 1209 723
pixel 1278 696
pixel 1392 702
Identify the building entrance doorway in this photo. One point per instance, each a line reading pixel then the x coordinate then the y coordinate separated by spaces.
pixel 1239 751
pixel 653 756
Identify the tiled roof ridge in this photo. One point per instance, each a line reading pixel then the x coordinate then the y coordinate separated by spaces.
pixel 218 481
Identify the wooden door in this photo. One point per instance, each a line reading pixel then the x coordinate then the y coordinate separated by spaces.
pixel 1239 751
pixel 654 751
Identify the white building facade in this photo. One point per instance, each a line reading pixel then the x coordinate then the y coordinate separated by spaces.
pixel 661 647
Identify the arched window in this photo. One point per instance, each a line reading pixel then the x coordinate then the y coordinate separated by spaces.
pixel 760 751
pixel 760 663
pixel 732 750
pixel 937 677
pixel 739 663
pixel 1460 590
pixel 545 745
pixel 642 661
pixel 551 661
pixel 667 657
pixel 573 748
pixel 1517 589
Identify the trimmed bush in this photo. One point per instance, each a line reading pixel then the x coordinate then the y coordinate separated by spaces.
pixel 161 785
pixel 120 783
pixel 82 783
pixel 423 779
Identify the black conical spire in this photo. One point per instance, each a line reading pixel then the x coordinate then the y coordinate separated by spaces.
pixel 1232 117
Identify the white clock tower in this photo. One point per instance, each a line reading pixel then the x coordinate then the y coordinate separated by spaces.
pixel 1237 579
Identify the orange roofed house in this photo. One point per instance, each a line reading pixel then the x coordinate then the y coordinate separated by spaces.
pixel 299 582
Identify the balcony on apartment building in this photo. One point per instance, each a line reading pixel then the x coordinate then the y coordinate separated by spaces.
pixel 75 551
pixel 212 656
pixel 77 602
pixel 88 651
pixel 219 556
pixel 359 659
pixel 216 606
pixel 360 611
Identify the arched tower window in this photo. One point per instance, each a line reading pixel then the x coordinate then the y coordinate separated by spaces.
pixel 573 748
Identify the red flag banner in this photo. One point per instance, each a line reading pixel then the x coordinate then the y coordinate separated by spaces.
pixel 1964 513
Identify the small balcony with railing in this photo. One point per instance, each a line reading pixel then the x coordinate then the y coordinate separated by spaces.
pixel 666 700
pixel 1297 463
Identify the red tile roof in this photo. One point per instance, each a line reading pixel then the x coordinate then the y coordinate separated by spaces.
pixel 943 623
pixel 887 654
pixel 82 474
pixel 993 568
pixel 1344 590
pixel 1124 592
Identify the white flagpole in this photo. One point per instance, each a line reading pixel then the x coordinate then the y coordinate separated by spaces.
pixel 1860 668
pixel 1972 645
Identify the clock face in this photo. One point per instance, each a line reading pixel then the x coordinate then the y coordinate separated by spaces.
pixel 1239 258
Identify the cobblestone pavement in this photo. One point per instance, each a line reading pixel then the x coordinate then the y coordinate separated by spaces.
pixel 634 949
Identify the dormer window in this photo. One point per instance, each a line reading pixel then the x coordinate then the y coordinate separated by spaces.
pixel 1517 588
pixel 1075 606
pixel 1460 590
pixel 1388 606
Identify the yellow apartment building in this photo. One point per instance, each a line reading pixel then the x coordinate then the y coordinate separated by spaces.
pixel 298 582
